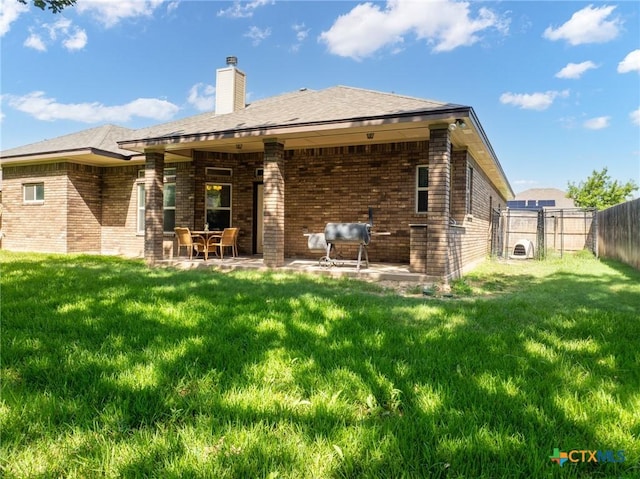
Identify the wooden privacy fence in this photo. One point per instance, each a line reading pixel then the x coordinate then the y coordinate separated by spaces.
pixel 619 233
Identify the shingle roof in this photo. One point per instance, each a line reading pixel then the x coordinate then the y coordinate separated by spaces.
pixel 299 107
pixel 103 138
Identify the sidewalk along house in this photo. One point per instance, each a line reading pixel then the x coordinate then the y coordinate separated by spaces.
pixel 277 168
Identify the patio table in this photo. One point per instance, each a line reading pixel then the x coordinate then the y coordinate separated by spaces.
pixel 206 235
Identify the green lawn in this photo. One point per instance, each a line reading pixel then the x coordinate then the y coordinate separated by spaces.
pixel 113 369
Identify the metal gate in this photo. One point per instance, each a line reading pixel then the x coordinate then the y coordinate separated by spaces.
pixel 552 231
pixel 495 233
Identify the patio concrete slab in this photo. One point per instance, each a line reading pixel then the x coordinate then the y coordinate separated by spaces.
pixel 375 271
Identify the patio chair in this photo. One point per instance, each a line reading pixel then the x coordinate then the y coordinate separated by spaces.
pixel 189 241
pixel 228 239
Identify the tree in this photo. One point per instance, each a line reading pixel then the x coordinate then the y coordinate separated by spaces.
pixel 56 6
pixel 599 191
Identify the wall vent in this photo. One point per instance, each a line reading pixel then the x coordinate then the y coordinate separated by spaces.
pixel 213 171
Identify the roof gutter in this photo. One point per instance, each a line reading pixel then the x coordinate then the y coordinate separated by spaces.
pixel 65 153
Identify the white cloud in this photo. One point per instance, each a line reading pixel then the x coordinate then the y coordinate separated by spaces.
pixel 202 96
pixel 589 25
pixel 61 25
pixel 635 117
pixel 172 6
pixel 10 10
pixel 76 41
pixel 72 37
pixel 532 101
pixel 110 12
pixel 257 35
pixel 35 41
pixel 575 70
pixel 445 25
pixel 597 123
pixel 302 32
pixel 630 63
pixel 238 10
pixel 40 107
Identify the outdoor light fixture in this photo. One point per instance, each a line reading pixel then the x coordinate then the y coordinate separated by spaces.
pixel 457 124
pixel 370 135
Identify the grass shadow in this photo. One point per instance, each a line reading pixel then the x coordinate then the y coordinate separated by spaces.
pixel 158 371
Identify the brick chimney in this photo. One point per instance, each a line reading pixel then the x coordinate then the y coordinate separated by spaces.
pixel 230 88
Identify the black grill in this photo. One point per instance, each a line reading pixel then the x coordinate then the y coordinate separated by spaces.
pixel 348 233
pixel 340 233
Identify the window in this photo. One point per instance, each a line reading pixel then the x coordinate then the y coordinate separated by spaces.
pixel 169 207
pixel 140 208
pixel 33 192
pixel 469 190
pixel 168 202
pixel 218 205
pixel 422 189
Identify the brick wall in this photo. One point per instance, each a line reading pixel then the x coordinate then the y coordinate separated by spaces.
pixel 458 185
pixel 322 185
pixel 119 210
pixel 84 216
pixel 339 184
pixel 119 202
pixel 244 215
pixel 35 227
pixel 185 197
pixel 471 239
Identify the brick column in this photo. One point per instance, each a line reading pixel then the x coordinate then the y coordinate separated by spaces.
pixel 459 185
pixel 418 248
pixel 153 214
pixel 273 246
pixel 439 202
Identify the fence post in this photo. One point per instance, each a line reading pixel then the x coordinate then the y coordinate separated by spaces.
pixel 561 233
pixel 541 248
pixel 595 232
pixel 506 243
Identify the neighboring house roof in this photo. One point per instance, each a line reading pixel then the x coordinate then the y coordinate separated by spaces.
pixel 91 145
pixel 535 195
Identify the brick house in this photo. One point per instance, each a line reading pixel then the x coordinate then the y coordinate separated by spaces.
pixel 276 168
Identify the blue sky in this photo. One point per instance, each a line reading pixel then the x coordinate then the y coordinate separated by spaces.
pixel 555 84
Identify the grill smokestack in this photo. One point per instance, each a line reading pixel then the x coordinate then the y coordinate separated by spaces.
pixel 231 85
